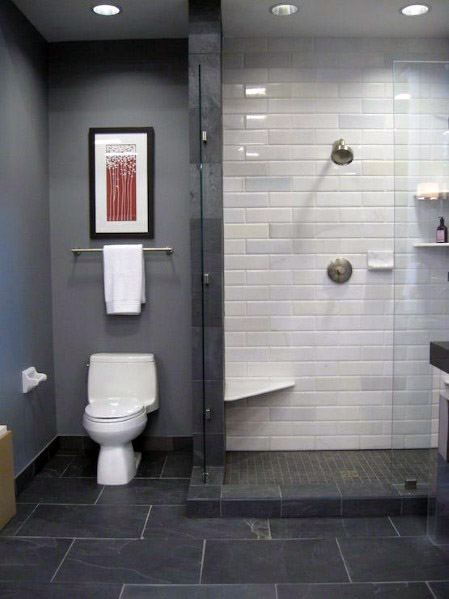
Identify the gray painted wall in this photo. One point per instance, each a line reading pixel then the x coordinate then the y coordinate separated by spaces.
pixel 99 84
pixel 25 297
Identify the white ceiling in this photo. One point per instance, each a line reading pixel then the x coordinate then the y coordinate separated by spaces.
pixel 66 20
pixel 335 18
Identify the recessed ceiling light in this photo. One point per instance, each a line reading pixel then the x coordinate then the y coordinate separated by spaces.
pixel 403 97
pixel 415 10
pixel 283 10
pixel 106 10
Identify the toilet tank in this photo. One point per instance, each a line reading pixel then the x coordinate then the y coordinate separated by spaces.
pixel 129 376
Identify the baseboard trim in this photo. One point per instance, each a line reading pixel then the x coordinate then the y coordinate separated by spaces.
pixel 83 445
pixel 24 477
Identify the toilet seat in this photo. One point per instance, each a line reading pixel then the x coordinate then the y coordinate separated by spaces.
pixel 114 410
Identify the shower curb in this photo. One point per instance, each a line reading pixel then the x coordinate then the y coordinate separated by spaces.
pixel 215 499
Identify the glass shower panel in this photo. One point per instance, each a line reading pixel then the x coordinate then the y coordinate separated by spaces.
pixel 203 281
pixel 421 287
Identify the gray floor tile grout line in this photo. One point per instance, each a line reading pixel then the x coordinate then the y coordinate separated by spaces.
pixel 145 523
pixel 101 493
pixel 202 561
pixel 88 538
pixel 26 520
pixel 270 536
pixel 222 539
pixel 430 590
pixel 343 559
pixel 163 466
pixel 63 560
pixel 122 591
pixel 66 468
pixel 393 525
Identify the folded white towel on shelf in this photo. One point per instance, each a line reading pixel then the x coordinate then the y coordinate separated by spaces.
pixel 124 278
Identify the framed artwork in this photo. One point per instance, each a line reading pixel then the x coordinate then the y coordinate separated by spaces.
pixel 121 165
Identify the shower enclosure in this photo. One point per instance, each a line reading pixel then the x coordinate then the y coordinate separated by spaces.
pixel 421 287
pixel 327 383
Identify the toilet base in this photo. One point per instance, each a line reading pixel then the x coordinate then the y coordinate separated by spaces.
pixel 117 465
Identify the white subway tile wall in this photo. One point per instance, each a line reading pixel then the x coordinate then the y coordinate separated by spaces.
pixel 358 352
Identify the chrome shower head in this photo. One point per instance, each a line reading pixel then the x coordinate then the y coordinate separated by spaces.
pixel 341 153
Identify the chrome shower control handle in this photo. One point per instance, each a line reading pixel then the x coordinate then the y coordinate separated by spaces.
pixel 339 270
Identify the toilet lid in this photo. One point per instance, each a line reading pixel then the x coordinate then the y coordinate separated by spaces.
pixel 114 408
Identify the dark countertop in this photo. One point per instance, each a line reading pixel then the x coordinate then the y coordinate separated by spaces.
pixel 439 355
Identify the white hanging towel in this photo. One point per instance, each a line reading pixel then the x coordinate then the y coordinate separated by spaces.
pixel 124 278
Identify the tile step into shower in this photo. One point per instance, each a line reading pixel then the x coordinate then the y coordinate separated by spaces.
pixel 313 484
pixel 215 499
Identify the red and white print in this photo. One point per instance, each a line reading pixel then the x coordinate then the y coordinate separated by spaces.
pixel 121 194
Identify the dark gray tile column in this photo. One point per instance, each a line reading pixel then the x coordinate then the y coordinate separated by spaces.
pixel 207 229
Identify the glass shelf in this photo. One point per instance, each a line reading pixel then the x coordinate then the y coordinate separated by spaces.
pixel 430 245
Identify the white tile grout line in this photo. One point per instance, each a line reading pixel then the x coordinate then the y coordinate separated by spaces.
pixel 393 525
pixel 63 559
pixel 202 560
pixel 430 589
pixel 97 499
pixel 26 519
pixel 146 521
pixel 276 593
pixel 344 561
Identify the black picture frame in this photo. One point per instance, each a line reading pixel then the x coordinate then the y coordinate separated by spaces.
pixel 93 132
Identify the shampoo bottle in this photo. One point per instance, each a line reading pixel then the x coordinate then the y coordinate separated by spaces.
pixel 441 232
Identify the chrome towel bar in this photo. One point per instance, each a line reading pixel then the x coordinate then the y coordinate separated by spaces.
pixel 78 251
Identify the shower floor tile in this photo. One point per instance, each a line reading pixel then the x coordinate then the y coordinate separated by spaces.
pixel 318 467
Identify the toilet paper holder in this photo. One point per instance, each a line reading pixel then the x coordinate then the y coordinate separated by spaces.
pixel 31 379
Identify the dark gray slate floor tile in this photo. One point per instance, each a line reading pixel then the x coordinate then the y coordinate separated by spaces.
pixel 97 521
pixel 171 522
pixel 147 492
pixel 311 500
pixel 142 561
pixel 61 490
pixel 440 589
pixel 151 464
pixel 369 499
pixel 30 559
pixel 204 493
pixel 251 508
pixel 417 590
pixel 178 465
pixel 367 489
pixel 55 467
pixel 20 590
pixel 316 528
pixel 402 558
pixel 23 512
pixel 233 562
pixel 82 466
pixel 410 526
pixel 250 591
pixel 239 492
pixel 261 501
pixel 215 476
pixel 204 502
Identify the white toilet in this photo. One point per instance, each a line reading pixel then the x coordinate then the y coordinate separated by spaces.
pixel 122 390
